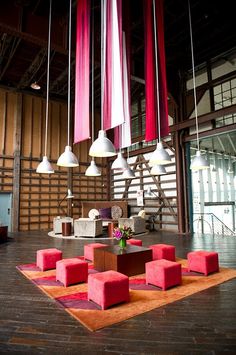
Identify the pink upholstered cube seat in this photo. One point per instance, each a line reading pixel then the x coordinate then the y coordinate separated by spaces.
pixel 163 251
pixel 136 242
pixel 46 258
pixel 89 250
pixel 71 271
pixel 108 288
pixel 163 273
pixel 203 261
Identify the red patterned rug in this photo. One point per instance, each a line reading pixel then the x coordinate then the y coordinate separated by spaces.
pixel 143 298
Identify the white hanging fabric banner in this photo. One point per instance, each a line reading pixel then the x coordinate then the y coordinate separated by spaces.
pixel 112 81
pixel 123 132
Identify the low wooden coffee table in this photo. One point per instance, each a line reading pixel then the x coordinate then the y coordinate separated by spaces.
pixel 3 233
pixel 129 261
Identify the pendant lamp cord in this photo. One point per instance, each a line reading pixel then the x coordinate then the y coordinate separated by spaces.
pixel 69 59
pixel 48 63
pixel 157 74
pixel 194 81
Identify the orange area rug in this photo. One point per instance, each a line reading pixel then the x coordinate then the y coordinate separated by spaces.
pixel 143 298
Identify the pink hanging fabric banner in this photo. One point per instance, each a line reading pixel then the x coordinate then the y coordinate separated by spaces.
pixel 150 73
pixel 162 69
pixel 82 119
pixel 151 120
pixel 112 86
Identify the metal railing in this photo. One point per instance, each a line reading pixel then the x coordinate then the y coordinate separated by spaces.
pixel 210 223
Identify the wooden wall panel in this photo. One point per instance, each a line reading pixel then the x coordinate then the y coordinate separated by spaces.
pixel 27 126
pixel 3 96
pixel 8 104
pixel 37 118
pixel 11 105
pixel 57 111
pixel 39 194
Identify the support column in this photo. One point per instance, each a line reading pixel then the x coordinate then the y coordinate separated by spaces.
pixel 69 186
pixel 17 165
pixel 181 184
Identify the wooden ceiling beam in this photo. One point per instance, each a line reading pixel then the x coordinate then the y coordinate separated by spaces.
pixel 18 22
pixel 30 73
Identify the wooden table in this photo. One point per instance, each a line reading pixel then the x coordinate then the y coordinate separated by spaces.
pixel 110 228
pixel 3 234
pixel 129 261
pixel 66 228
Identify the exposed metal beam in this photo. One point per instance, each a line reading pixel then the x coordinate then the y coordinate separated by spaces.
pixel 30 73
pixel 138 80
pixel 15 45
pixel 221 143
pixel 61 77
pixel 231 142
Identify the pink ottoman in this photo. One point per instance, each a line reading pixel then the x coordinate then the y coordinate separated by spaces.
pixel 108 288
pixel 46 258
pixel 203 261
pixel 71 271
pixel 133 241
pixel 163 273
pixel 163 251
pixel 88 250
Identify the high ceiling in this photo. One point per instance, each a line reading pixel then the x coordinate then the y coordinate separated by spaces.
pixel 24 32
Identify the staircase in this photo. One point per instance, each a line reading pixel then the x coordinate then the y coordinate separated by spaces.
pixel 210 223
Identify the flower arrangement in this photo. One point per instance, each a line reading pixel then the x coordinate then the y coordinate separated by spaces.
pixel 122 232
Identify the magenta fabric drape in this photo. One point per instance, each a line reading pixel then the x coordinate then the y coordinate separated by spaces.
pixel 162 69
pixel 150 73
pixel 107 63
pixel 82 118
pixel 150 87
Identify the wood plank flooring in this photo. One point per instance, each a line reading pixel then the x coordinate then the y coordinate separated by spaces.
pixel 31 323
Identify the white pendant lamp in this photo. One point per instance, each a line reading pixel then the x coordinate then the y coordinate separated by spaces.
pixel 45 167
pixel 230 166
pixel 158 170
pixel 93 169
pixel 160 155
pixel 35 86
pixel 120 163
pixel 102 146
pixel 68 158
pixel 69 194
pixel 198 162
pixel 128 173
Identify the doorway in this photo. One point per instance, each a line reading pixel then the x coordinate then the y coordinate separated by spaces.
pixel 5 209
pixel 214 190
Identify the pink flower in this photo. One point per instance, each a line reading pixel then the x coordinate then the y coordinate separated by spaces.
pixel 117 234
pixel 122 232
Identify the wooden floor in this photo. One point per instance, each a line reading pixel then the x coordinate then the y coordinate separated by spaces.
pixel 31 323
